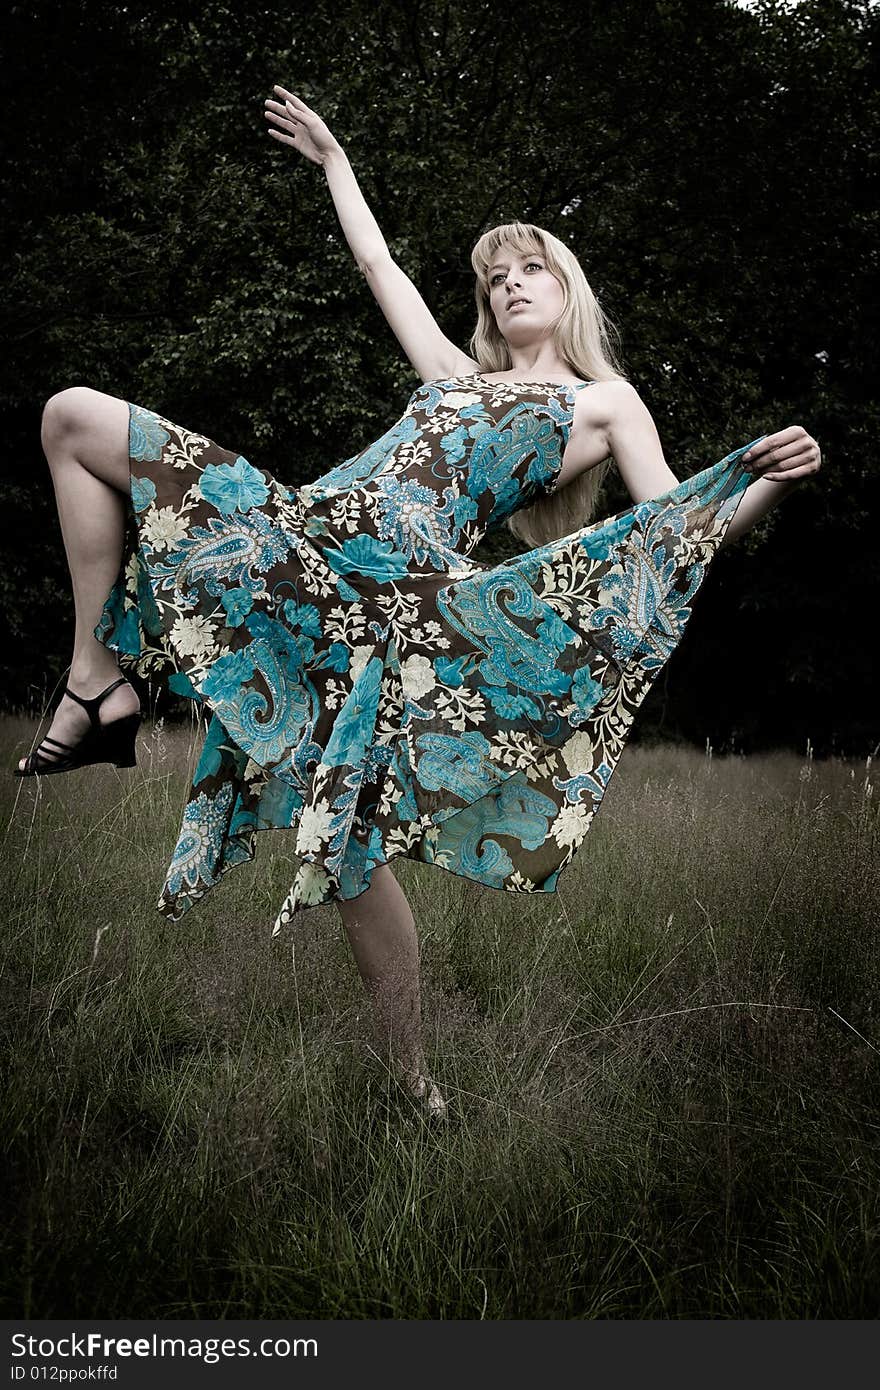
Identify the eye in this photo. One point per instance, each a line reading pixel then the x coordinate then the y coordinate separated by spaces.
pixel 493 279
pixel 536 264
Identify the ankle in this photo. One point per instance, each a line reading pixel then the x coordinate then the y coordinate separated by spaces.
pixel 414 1075
pixel 411 1062
pixel 89 677
pixel 423 1088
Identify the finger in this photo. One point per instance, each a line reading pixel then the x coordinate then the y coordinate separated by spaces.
pixel 283 127
pixel 779 438
pixel 293 100
pixel 804 463
pixel 281 115
pixel 298 104
pixel 785 444
pixel 757 452
pixel 805 466
pixel 279 135
pixel 783 452
pixel 786 436
pixel 299 112
pixel 789 475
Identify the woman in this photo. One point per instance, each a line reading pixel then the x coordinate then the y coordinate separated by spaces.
pixel 369 685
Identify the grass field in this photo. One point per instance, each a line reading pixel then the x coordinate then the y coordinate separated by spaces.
pixel 663 1079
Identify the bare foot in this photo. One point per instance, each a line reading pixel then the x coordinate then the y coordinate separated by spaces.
pixel 423 1089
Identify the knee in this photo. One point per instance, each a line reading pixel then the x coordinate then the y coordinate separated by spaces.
pixel 355 911
pixel 64 414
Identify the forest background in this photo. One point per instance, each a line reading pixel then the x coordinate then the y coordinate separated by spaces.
pixel 712 164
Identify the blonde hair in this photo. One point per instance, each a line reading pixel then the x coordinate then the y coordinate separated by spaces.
pixel 582 335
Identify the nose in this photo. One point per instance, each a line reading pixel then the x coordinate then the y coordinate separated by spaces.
pixel 512 282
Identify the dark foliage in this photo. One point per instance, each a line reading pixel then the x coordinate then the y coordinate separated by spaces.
pixel 711 165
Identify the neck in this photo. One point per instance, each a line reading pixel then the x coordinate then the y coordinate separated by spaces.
pixel 538 360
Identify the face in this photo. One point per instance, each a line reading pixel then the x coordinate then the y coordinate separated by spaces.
pixel 524 295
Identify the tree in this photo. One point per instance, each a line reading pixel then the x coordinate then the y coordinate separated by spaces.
pixel 709 164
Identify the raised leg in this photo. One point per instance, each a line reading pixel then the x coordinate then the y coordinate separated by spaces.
pixel 85 440
pixel 382 935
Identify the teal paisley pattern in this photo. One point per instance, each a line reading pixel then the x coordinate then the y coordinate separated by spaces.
pixel 367 684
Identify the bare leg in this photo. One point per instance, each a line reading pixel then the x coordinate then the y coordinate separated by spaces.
pixel 85 439
pixel 383 939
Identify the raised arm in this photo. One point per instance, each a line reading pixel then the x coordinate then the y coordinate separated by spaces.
pixel 627 431
pixel 431 353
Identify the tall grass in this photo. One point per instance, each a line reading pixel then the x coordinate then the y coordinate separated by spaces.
pixel 663 1080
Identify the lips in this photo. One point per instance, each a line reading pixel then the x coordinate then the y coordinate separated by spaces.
pixel 520 299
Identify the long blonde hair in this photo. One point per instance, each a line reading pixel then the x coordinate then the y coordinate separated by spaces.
pixel 582 335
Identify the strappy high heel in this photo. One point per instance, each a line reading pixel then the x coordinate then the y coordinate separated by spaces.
pixel 101 743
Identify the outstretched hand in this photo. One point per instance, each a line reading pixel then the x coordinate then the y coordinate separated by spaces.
pixel 295 124
pixel 784 456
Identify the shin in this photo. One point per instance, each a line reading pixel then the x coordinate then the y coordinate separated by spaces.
pixel 382 935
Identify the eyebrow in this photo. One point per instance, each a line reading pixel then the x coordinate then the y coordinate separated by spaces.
pixel 501 265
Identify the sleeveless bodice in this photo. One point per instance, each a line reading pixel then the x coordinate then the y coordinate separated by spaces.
pixel 465 454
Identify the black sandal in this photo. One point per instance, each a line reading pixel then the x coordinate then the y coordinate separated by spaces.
pixel 101 743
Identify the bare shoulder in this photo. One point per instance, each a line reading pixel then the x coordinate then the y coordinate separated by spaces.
pixel 609 417
pixel 607 402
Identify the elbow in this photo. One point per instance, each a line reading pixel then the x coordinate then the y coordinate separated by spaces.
pixel 369 264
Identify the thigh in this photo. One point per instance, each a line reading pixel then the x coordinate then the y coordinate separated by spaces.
pixel 92 428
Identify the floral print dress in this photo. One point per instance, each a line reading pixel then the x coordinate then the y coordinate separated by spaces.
pixel 367 684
